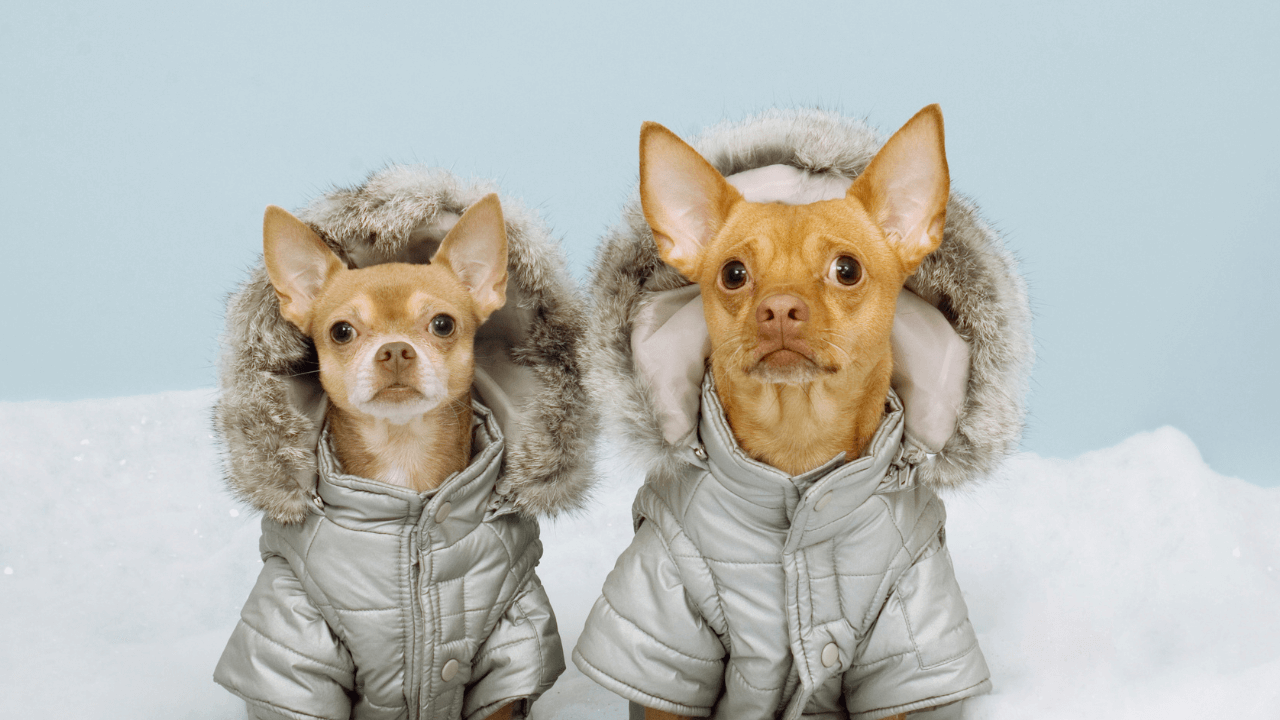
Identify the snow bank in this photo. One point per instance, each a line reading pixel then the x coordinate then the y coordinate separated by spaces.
pixel 1129 582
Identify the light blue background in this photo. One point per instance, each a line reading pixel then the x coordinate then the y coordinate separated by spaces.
pixel 1128 151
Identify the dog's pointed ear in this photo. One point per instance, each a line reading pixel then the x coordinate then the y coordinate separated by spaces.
pixel 298 263
pixel 476 251
pixel 685 199
pixel 906 186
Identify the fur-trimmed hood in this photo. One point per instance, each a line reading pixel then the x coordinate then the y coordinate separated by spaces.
pixel 269 414
pixel 971 280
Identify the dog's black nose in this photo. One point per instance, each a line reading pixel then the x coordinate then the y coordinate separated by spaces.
pixel 396 355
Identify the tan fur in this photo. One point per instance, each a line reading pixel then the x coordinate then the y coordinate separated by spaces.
pixel 651 714
pixel 798 392
pixel 503 713
pixel 399 393
pixel 797 397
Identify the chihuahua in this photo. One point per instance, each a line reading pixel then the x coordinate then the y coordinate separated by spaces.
pixel 395 341
pixel 799 299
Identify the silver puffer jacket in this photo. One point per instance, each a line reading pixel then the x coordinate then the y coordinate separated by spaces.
pixel 393 604
pixel 376 602
pixel 749 594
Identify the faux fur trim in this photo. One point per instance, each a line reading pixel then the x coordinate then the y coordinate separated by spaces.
pixel 268 414
pixel 971 278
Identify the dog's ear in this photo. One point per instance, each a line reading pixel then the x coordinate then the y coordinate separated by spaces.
pixel 685 199
pixel 298 263
pixel 476 251
pixel 906 186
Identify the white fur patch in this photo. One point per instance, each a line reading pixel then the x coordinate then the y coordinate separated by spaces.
pixel 430 378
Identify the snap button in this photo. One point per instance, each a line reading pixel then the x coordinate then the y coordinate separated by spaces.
pixel 442 512
pixel 823 502
pixel 830 655
pixel 450 670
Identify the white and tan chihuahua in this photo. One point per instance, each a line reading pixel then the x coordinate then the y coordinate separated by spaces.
pixel 395 343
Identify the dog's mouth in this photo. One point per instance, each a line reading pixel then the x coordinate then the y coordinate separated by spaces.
pixel 786 358
pixel 788 366
pixel 398 392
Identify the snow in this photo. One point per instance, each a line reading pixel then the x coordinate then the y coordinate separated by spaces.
pixel 1130 582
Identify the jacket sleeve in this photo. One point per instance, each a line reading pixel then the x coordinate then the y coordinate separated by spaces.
pixel 283 659
pixel 520 659
pixel 645 640
pixel 921 652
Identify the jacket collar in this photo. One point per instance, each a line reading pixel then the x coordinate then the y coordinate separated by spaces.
pixel 365 504
pixel 778 499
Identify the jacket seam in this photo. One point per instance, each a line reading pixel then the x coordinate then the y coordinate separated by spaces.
pixel 286 648
pixel 839 592
pixel 808 584
pixel 968 649
pixel 480 712
pixel 340 630
pixel 367 701
pixel 738 562
pixel 278 709
pixel 489 651
pixel 892 516
pixel 734 668
pixel 931 701
pixel 906 620
pixel 511 558
pixel 472 611
pixel 677 651
pixel 877 661
pixel 727 640
pixel 525 617
pixel 888 586
pixel 629 686
pixel 698 556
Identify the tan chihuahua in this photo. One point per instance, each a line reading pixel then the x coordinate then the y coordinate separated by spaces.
pixel 799 299
pixel 395 343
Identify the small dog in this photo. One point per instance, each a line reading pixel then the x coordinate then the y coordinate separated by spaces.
pixel 799 299
pixel 395 343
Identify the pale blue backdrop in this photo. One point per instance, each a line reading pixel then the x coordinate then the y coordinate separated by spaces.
pixel 1127 150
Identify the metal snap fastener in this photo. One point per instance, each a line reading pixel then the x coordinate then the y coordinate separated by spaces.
pixel 442 513
pixel 823 502
pixel 450 670
pixel 830 655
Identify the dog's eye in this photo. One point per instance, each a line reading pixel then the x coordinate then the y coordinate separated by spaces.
pixel 342 333
pixel 846 271
pixel 733 275
pixel 442 325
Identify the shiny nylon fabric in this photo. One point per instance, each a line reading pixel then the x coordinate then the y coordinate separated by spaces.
pixel 360 607
pixel 736 584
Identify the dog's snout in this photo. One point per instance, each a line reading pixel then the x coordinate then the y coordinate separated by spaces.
pixel 396 355
pixel 782 311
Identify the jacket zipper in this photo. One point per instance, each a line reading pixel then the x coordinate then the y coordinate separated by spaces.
pixel 413 688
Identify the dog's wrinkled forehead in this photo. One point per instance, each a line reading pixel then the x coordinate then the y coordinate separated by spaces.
pixel 393 295
pixel 783 185
pixel 809 235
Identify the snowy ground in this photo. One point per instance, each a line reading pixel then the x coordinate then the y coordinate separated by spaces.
pixel 1131 582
